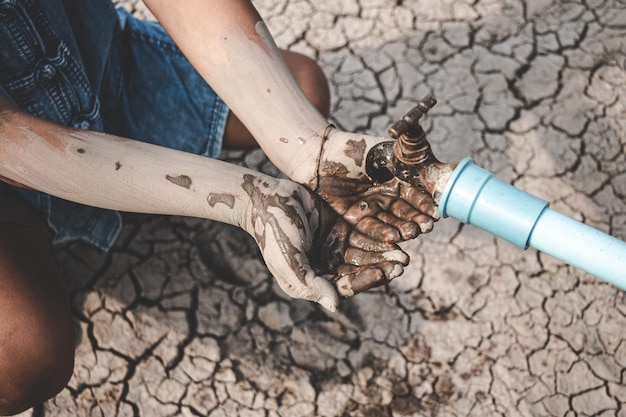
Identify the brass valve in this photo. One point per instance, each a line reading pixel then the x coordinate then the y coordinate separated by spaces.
pixel 409 153
pixel 412 147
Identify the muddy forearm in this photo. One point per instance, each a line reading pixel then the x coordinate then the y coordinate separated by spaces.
pixel 228 43
pixel 120 174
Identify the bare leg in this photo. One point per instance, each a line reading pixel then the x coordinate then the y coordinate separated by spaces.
pixel 36 331
pixel 311 79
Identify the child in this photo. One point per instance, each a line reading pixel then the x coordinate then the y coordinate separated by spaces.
pixel 72 69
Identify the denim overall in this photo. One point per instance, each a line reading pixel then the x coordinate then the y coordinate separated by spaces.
pixel 83 64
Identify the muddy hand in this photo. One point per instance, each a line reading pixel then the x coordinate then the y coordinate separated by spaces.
pixel 353 261
pixel 391 211
pixel 309 249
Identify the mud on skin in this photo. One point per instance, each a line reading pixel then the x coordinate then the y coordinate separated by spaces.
pixel 226 199
pixel 180 180
pixel 262 201
pixel 356 151
pixel 396 210
pixel 352 261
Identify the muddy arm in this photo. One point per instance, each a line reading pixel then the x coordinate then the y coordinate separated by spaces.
pixel 228 43
pixel 291 225
pixel 116 173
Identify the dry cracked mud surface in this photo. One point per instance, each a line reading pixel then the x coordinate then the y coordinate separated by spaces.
pixel 182 318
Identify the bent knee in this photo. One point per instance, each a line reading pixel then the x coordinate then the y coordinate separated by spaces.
pixel 32 370
pixel 21 389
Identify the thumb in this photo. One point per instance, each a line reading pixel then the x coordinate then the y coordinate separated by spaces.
pixel 288 262
pixel 306 285
pixel 321 291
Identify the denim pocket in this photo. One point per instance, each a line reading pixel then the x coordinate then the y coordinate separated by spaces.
pixel 39 73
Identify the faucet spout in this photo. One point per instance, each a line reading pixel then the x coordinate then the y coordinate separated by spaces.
pixel 412 147
pixel 410 157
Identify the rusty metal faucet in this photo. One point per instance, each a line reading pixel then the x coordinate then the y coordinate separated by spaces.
pixel 411 146
pixel 410 157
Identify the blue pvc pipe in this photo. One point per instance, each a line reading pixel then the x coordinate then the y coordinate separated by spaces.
pixel 474 196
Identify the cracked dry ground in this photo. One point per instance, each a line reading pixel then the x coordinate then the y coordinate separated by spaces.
pixel 182 318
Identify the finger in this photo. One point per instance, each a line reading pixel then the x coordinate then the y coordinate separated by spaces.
pixel 389 189
pixel 391 270
pixel 360 257
pixel 425 223
pixel 332 250
pixel 360 210
pixel 324 293
pixel 359 281
pixel 421 200
pixel 382 201
pixel 348 269
pixel 405 211
pixel 361 241
pixel 296 277
pixel 378 230
pixel 408 229
pixel 318 290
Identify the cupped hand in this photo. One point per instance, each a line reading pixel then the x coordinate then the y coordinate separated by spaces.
pixel 314 253
pixel 392 211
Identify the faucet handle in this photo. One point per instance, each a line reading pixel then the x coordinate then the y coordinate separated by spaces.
pixel 406 157
pixel 410 121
